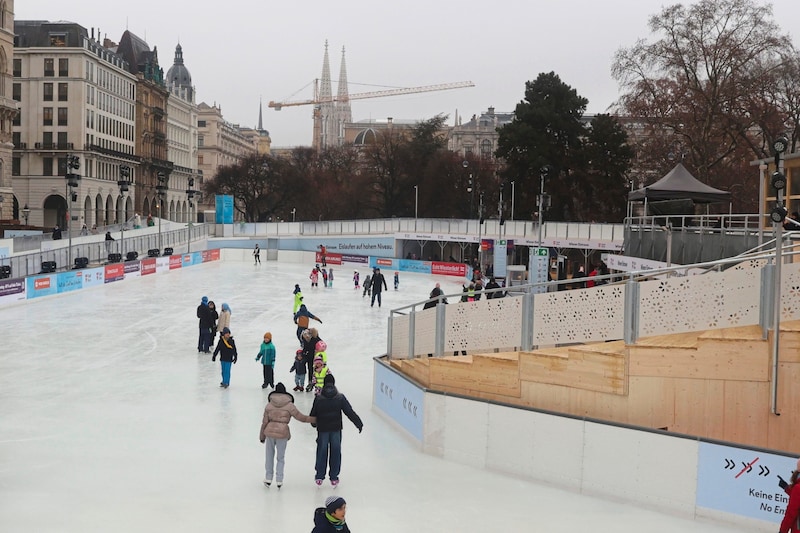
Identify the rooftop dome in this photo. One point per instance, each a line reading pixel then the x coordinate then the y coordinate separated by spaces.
pixel 178 75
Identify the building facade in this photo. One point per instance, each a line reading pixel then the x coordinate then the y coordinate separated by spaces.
pixel 181 140
pixel 76 98
pixel 479 136
pixel 8 111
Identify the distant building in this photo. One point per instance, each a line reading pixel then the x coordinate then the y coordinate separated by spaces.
pixel 478 136
pixel 76 98
pixel 9 207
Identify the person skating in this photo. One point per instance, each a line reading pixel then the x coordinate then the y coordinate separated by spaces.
pixel 314 277
pixel 205 323
pixel 257 255
pixel 325 278
pixel 275 432
pixel 321 370
pixel 323 252
pixel 378 285
pixel 226 348
pixel 330 278
pixel 791 516
pixel 302 318
pixel 224 318
pixel 309 340
pixel 267 356
pixel 355 280
pixel 396 280
pixel 331 518
pixel 328 408
pixel 298 298
pixel 367 286
pixel 299 369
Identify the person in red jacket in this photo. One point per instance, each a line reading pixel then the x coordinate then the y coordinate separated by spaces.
pixel 791 518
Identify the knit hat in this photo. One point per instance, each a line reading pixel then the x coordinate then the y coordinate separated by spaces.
pixel 334 502
pixel 225 330
pixel 318 358
pixel 226 307
pixel 204 299
pixel 280 387
pixel 268 336
pixel 296 288
pixel 329 380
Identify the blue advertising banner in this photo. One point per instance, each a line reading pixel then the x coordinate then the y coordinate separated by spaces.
pixel 93 277
pixel 44 285
pixel 400 400
pixel 224 209
pixel 357 246
pixel 194 258
pixel 501 258
pixel 410 265
pixel 70 281
pixel 742 482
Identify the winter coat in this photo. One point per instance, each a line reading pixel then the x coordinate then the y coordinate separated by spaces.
pixel 303 316
pixel 226 354
pixel 277 415
pixel 298 301
pixel 493 285
pixel 378 282
pixel 310 348
pixel 368 282
pixel 323 525
pixel 224 321
pixel 299 367
pixel 791 517
pixel 204 314
pixel 267 354
pixel 328 408
pixel 314 276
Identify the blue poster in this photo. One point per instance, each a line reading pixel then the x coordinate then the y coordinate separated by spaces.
pixel 400 400
pixel 42 285
pixel 224 209
pixel 70 281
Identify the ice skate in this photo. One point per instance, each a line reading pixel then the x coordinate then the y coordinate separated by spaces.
pixel 334 483
pixel 318 482
pixel 279 484
pixel 268 482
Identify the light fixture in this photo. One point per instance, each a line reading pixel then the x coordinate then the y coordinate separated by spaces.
pixel 780 144
pixel 26 212
pixel 778 214
pixel 778 180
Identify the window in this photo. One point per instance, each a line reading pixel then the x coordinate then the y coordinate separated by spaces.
pixel 63 67
pixel 17 68
pixel 47 139
pixel 16 166
pixel 16 138
pixel 62 116
pixel 58 39
pixel 16 92
pixel 47 166
pixel 62 166
pixel 62 140
pixel 201 123
pixel 47 92
pixel 49 67
pixel 62 92
pixel 47 114
pixel 17 119
pixel 200 141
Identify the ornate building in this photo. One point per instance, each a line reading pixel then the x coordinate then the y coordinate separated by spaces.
pixel 151 128
pixel 76 98
pixel 9 207
pixel 259 136
pixel 181 139
pixel 331 115
pixel 478 136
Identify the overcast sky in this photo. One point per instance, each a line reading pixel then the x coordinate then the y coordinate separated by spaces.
pixel 241 50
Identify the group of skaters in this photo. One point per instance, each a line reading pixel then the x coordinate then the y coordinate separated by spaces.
pixel 311 361
pixel 325 273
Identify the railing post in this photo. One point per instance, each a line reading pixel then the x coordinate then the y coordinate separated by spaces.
pixel 412 319
pixel 526 342
pixel 631 314
pixel 766 300
pixel 389 336
pixel 438 347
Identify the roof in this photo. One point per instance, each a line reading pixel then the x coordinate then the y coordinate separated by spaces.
pixel 679 184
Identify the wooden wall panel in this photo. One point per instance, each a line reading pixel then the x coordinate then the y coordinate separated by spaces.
pixel 742 360
pixel 783 429
pixel 745 410
pixel 698 407
pixel 582 369
pixel 493 375
pixel 651 402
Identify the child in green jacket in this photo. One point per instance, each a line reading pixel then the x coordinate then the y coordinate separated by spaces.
pixel 267 356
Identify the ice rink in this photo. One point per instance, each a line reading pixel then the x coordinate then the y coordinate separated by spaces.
pixel 112 422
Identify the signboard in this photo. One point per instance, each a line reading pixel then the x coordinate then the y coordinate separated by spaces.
pixel 148 266
pixel 224 209
pixel 12 290
pixel 42 285
pixel 93 277
pixel 501 258
pixel 400 400
pixel 742 482
pixel 175 261
pixel 114 272
pixel 70 281
pixel 449 269
pixel 539 268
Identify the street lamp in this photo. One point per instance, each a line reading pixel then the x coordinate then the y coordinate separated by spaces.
pixel 161 192
pixel 465 164
pixel 777 215
pixel 294 210
pixel 26 212
pixel 416 201
pixel 513 190
pixel 190 192
pixel 541 201
pixel 73 180
pixel 124 185
pixel 480 230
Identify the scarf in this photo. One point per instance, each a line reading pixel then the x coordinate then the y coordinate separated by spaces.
pixel 226 343
pixel 335 522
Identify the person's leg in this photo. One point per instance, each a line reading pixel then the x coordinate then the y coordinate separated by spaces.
pixel 270 459
pixel 379 299
pixel 323 442
pixel 281 449
pixel 372 301
pixel 266 378
pixel 226 373
pixel 269 376
pixel 310 372
pixel 199 339
pixel 336 455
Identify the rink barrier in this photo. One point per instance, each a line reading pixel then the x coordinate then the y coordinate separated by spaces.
pixel 678 474
pixel 18 290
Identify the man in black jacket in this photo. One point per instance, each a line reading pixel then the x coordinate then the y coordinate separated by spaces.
pixel 328 408
pixel 378 285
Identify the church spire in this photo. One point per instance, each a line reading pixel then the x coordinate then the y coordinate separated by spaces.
pixel 343 112
pixel 326 115
pixel 260 116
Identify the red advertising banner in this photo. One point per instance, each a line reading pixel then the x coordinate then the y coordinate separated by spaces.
pixel 448 269
pixel 175 261
pixel 41 283
pixel 114 272
pixel 148 266
pixel 384 262
pixel 215 254
pixel 331 259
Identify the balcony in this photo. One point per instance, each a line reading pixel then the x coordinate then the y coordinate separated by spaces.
pixel 158 112
pixel 21 146
pixel 122 155
pixel 53 146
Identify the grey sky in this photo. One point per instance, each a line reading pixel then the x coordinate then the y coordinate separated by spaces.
pixel 240 50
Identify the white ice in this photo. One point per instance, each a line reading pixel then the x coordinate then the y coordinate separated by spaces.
pixel 110 421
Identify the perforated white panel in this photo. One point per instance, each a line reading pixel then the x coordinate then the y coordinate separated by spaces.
pixel 399 337
pixel 483 325
pixel 714 300
pixel 790 291
pixel 579 315
pixel 424 332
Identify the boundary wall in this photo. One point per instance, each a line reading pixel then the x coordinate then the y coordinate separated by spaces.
pixel 681 475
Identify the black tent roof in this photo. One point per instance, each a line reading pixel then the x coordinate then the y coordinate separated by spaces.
pixel 679 184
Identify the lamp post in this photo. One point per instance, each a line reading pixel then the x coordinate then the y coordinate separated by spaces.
pixel 416 205
pixel 513 190
pixel 124 184
pixel 294 211
pixel 777 215
pixel 26 212
pixel 161 191
pixel 541 199
pixel 480 229
pixel 762 168
pixel 470 189
pixel 73 180
pixel 190 192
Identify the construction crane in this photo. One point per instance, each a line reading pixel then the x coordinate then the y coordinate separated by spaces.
pixel 372 94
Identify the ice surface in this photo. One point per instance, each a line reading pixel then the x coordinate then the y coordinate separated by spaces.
pixel 110 421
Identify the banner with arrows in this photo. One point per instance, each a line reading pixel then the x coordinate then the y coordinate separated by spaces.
pixel 742 482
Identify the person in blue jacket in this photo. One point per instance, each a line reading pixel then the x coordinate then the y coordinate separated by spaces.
pixel 267 356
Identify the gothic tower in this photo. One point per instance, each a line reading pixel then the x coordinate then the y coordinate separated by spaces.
pixel 325 111
pixel 343 112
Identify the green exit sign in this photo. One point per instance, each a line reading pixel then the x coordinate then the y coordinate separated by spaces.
pixel 542 251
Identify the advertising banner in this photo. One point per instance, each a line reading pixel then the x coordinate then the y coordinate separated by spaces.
pixel 500 258
pixel 487 245
pixel 175 261
pixel 381 262
pixel 449 269
pixel 359 259
pixel 215 254
pixel 132 269
pixel 410 265
pixel 70 281
pixel 330 259
pixel 742 482
pixel 12 290
pixel 224 209
pixel 400 400
pixel 44 285
pixel 114 272
pixel 148 266
pixel 93 277
pixel 162 264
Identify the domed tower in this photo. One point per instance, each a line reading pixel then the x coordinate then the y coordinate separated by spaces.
pixel 178 76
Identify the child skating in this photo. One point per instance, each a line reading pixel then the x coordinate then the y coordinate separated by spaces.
pixel 299 369
pixel 356 286
pixel 267 356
